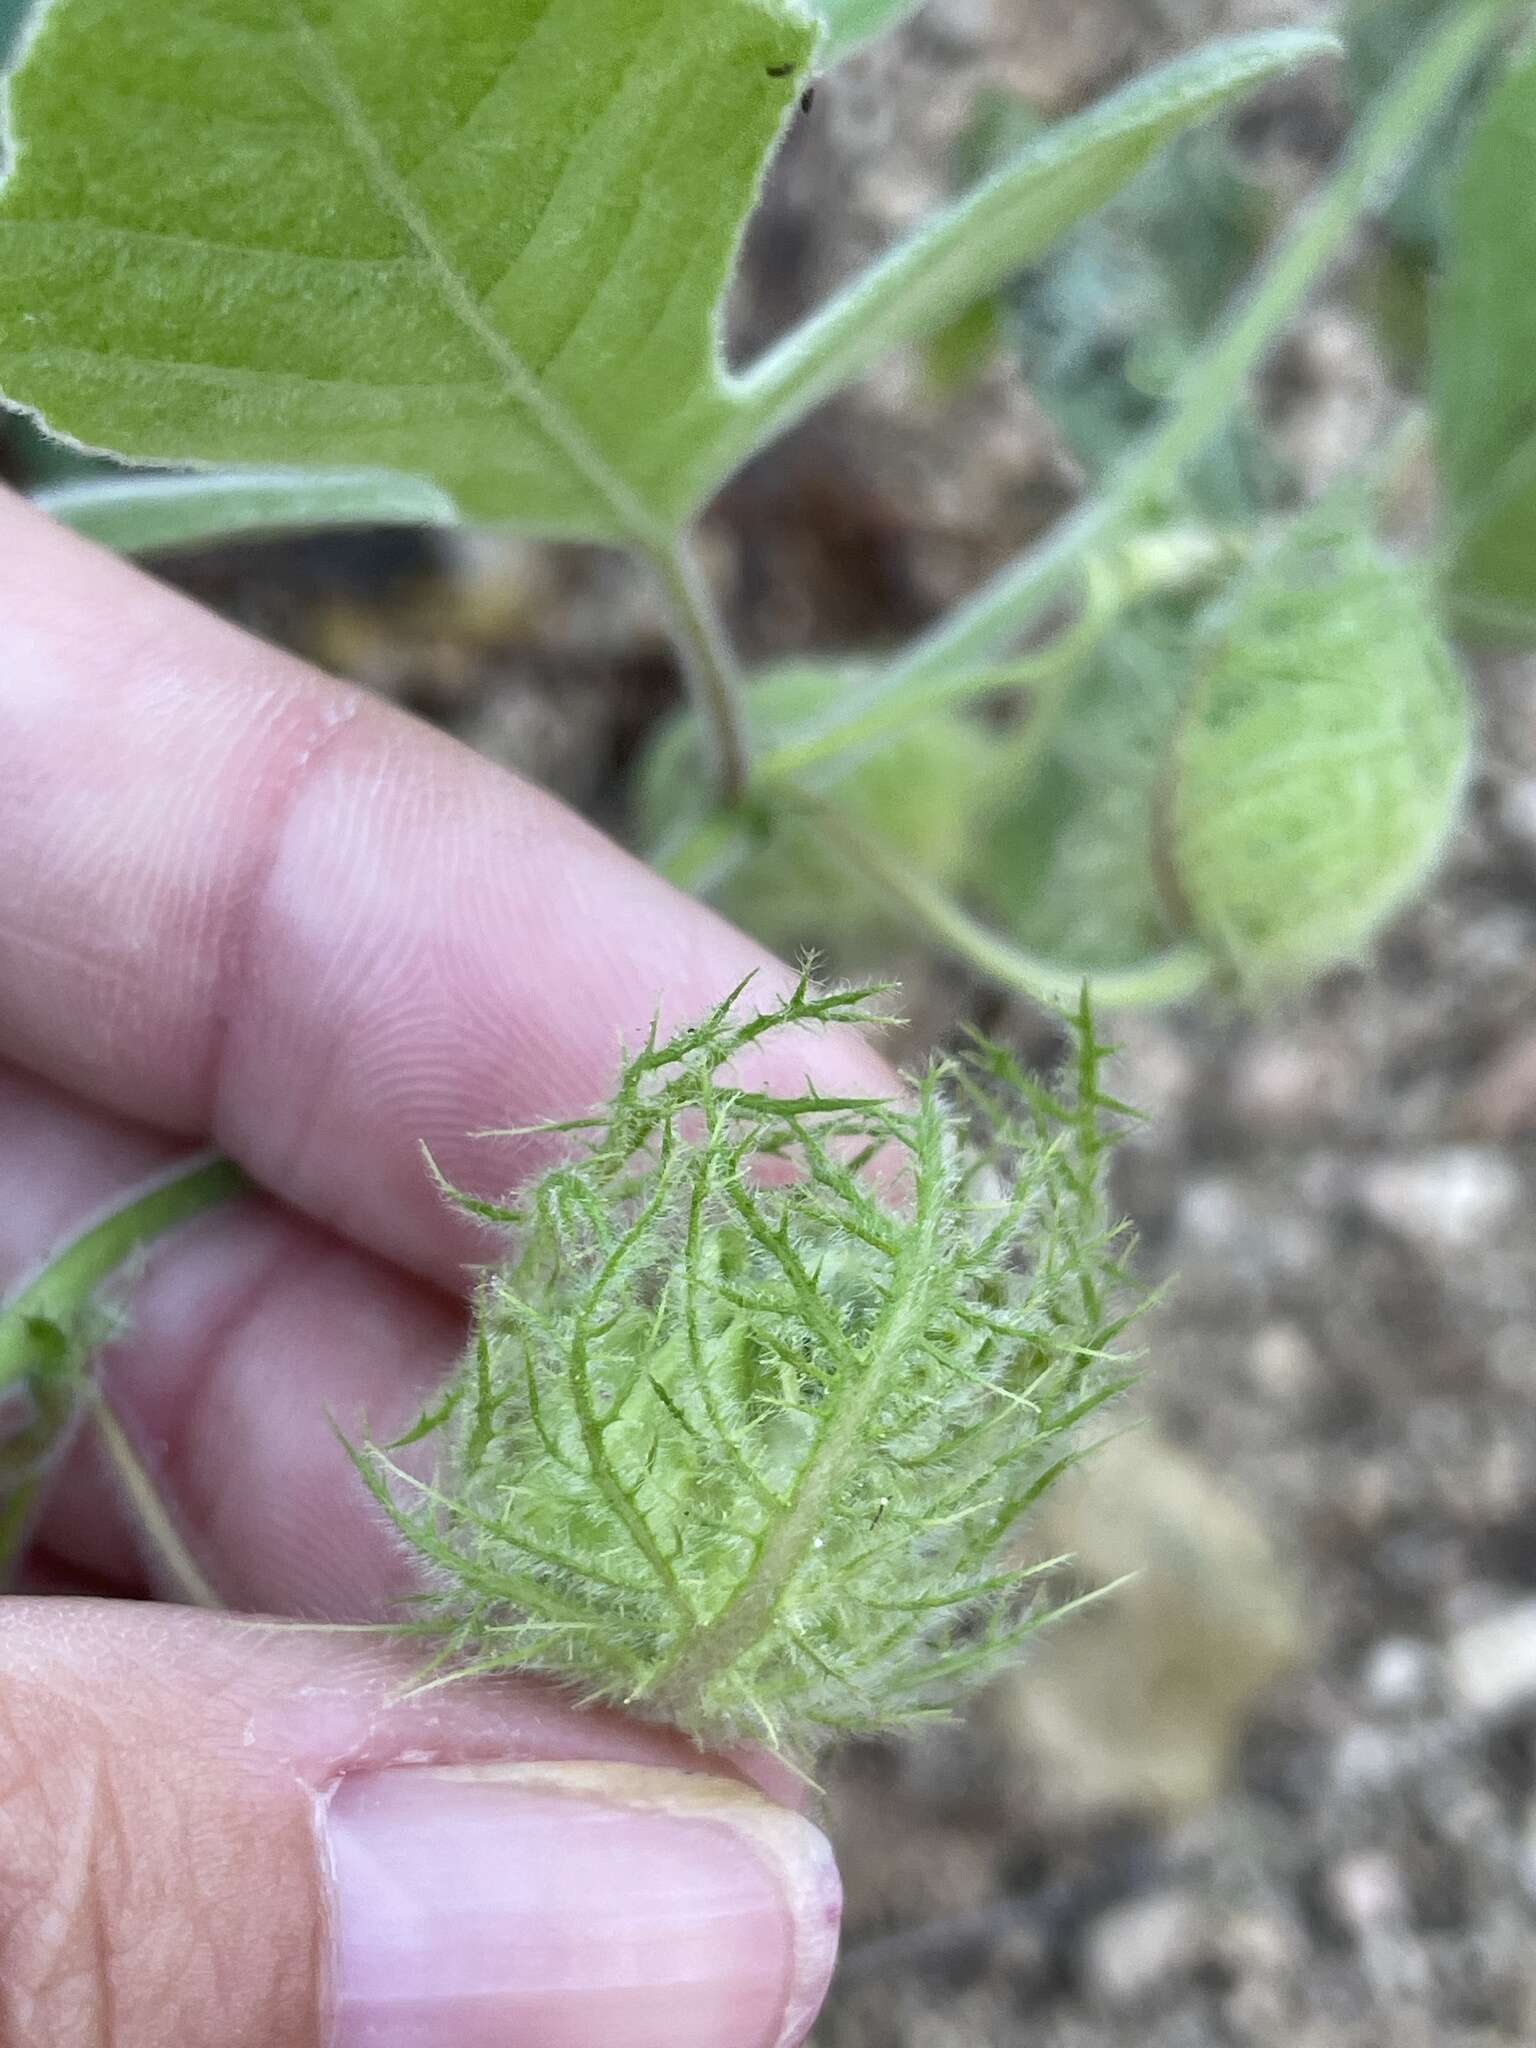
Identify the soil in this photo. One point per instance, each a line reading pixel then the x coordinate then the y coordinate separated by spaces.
pixel 1283 1790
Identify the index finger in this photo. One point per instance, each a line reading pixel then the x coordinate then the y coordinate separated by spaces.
pixel 242 902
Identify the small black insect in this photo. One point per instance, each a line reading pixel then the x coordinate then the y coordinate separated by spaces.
pixel 780 70
pixel 808 99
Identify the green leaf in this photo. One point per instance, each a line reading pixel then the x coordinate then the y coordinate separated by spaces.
pixel 141 514
pixel 1484 348
pixel 1321 757
pixel 851 22
pixel 483 243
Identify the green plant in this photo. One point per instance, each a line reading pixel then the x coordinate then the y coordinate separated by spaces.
pixel 485 327
pixel 355 259
pixel 746 1451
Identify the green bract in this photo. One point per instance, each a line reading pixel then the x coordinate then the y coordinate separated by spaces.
pixel 1316 773
pixel 747 1424
pixel 1269 779
pixel 1070 866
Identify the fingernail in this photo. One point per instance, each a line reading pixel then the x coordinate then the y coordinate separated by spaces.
pixel 575 1906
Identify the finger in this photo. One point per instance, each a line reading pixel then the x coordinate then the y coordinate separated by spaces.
pixel 250 1336
pixel 240 901
pixel 228 1837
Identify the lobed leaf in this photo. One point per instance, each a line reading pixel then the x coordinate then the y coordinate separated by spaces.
pixel 484 244
pixel 481 242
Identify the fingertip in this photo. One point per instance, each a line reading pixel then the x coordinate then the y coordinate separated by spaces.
pixel 575 1904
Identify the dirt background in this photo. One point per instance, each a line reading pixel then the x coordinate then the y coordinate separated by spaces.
pixel 1282 1789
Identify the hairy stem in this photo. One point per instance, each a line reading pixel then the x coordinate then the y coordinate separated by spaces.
pixel 709 664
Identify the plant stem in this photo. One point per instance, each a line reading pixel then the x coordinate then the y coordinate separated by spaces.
pixel 65 1285
pixel 1165 978
pixel 54 1302
pixel 709 664
pixel 1163 561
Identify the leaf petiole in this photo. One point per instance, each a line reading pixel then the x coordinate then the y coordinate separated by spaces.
pixel 709 664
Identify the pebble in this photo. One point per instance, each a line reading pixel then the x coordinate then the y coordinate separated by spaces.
pixel 1492 1662
pixel 1450 1200
pixel 1367 1892
pixel 1135 1948
pixel 1399 1674
pixel 1283 1364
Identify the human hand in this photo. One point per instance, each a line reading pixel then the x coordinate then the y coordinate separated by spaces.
pixel 243 905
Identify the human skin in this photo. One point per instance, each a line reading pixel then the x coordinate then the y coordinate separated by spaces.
pixel 244 905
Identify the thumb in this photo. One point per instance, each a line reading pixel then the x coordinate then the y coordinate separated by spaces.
pixel 218 1834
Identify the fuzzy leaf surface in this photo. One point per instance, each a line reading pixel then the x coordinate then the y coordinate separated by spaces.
pixel 480 242
pixel 1484 345
pixel 747 1451
pixel 484 243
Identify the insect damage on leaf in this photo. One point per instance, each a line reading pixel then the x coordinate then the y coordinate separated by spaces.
pixel 760 1388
